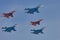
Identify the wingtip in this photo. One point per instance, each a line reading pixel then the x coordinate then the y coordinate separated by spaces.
pixel 40 19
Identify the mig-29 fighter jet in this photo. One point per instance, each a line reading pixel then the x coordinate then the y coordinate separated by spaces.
pixel 32 10
pixel 38 31
pixel 9 29
pixel 7 15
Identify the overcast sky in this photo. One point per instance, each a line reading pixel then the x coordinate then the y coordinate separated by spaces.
pixel 50 15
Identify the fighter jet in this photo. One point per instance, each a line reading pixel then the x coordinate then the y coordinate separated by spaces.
pixel 37 31
pixel 36 22
pixel 32 10
pixel 8 15
pixel 9 29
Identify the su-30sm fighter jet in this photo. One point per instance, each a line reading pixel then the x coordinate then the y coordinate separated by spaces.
pixel 7 15
pixel 32 10
pixel 37 31
pixel 9 29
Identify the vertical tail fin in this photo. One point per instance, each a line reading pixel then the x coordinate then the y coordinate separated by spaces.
pixel 12 12
pixel 15 25
pixel 40 20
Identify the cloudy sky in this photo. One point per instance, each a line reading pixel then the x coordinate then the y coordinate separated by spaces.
pixel 50 15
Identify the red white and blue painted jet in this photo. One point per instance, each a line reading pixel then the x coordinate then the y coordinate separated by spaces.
pixel 36 22
pixel 8 15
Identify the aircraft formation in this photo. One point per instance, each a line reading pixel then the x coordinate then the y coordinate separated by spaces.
pixel 34 23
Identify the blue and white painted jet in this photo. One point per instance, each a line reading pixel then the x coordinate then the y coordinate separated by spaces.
pixel 38 31
pixel 9 29
pixel 32 10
